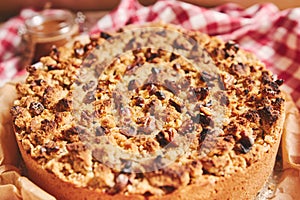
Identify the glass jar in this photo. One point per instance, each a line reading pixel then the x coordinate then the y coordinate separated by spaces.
pixel 45 29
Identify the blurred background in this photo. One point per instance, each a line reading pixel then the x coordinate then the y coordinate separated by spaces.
pixel 9 8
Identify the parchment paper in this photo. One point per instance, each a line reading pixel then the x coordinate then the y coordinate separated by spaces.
pixel 285 183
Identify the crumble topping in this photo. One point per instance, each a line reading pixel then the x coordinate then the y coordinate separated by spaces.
pixel 45 123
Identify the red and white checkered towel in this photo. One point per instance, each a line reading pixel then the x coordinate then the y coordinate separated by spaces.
pixel 273 35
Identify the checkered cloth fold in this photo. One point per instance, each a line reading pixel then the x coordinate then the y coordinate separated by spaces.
pixel 271 34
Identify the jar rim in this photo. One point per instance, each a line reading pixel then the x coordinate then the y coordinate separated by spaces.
pixel 64 18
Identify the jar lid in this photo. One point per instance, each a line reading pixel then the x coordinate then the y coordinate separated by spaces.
pixel 50 23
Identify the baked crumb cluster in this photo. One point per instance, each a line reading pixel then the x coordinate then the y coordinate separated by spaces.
pixel 154 104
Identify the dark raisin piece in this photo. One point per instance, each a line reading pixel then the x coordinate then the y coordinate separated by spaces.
pixel 76 147
pixel 117 100
pixel 132 85
pixel 150 55
pixel 162 33
pixel 205 77
pixel 139 61
pixel 160 95
pixel 186 127
pixel 177 44
pixel 203 134
pixel 175 105
pixel 39 82
pixel 230 49
pixel 158 159
pixel 279 82
pixel 267 115
pixel 232 45
pixel 129 45
pixel 86 116
pixel 88 47
pixel 89 98
pixel 52 67
pixel 245 144
pixel 173 57
pixel 139 101
pixel 168 189
pixel 128 131
pixel 185 83
pixel 51 147
pixel 151 88
pixel 202 119
pixel 88 85
pixel 201 93
pixel 155 71
pixel 160 137
pixel 238 69
pixel 126 166
pixel 252 116
pixel 224 100
pixel 265 77
pixel 48 126
pixel 136 51
pixel 100 131
pixel 63 105
pixel 177 66
pixel 172 86
pixel 36 108
pixel 91 56
pixel 150 107
pixel 105 35
pixel 15 111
